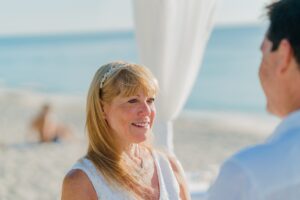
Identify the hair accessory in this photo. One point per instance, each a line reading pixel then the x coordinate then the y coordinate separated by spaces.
pixel 108 74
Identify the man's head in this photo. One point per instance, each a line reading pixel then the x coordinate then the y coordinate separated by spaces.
pixel 280 65
pixel 284 18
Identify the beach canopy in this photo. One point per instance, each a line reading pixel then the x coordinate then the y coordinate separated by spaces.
pixel 171 37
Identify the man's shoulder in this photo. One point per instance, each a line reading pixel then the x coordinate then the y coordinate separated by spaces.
pixel 269 159
pixel 260 169
pixel 249 156
pixel 261 154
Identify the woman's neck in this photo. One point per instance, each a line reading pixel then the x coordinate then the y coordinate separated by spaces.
pixel 133 151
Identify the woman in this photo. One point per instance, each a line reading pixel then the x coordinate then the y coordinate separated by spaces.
pixel 48 129
pixel 120 162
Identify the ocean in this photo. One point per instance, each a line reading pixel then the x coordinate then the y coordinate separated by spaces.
pixel 64 64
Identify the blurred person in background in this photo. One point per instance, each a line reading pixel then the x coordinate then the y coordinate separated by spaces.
pixel 47 127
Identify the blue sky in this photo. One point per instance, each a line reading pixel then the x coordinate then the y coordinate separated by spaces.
pixel 38 16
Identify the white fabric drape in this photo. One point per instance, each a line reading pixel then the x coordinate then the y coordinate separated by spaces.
pixel 171 36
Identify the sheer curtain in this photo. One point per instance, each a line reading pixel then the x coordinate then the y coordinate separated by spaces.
pixel 172 36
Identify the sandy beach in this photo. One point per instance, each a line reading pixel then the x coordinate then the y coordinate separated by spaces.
pixel 33 171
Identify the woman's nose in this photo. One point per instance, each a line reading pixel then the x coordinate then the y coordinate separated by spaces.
pixel 145 109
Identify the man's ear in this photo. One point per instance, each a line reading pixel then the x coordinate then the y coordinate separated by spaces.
pixel 285 54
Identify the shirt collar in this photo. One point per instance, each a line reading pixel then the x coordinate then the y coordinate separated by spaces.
pixel 290 122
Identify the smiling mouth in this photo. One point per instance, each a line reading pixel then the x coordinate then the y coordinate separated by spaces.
pixel 142 124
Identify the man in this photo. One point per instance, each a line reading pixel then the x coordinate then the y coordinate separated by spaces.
pixel 271 171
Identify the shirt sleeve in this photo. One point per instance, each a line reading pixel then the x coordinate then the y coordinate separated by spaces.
pixel 233 183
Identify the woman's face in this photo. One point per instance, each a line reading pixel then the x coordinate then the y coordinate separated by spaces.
pixel 131 117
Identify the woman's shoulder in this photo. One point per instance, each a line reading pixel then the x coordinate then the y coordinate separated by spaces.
pixel 76 177
pixel 76 185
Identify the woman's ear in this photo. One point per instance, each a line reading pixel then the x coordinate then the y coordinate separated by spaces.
pixel 104 108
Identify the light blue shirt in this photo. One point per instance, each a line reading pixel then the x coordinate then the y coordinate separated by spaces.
pixel 268 171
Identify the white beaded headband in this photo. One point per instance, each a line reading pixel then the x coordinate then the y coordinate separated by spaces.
pixel 108 74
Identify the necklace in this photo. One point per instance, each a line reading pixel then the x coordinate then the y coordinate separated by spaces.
pixel 140 164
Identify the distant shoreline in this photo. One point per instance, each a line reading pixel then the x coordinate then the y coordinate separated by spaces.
pixel 104 33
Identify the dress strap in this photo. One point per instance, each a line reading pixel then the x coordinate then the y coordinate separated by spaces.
pixel 102 188
pixel 90 170
pixel 169 187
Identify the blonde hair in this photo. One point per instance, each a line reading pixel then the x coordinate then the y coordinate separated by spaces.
pixel 126 79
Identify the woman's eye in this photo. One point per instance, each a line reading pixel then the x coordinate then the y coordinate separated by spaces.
pixel 150 100
pixel 132 101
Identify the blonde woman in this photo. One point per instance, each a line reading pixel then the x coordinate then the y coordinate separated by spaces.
pixel 120 162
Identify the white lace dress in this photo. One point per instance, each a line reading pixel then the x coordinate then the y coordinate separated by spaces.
pixel 168 185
